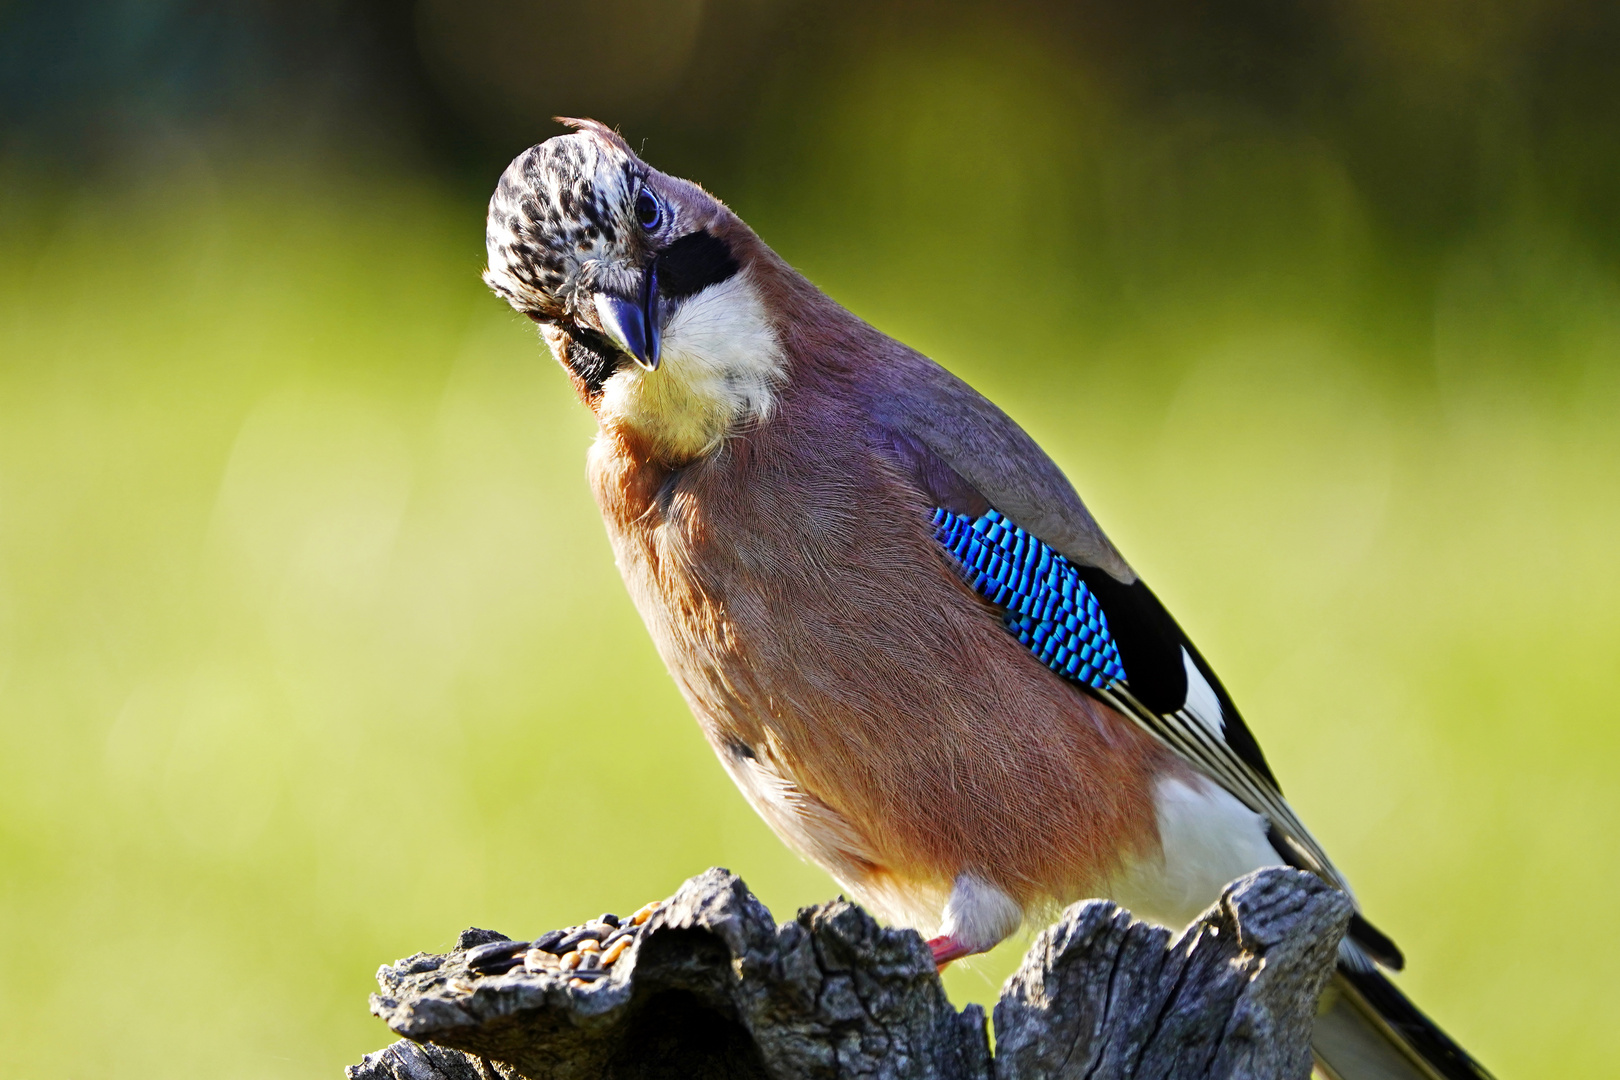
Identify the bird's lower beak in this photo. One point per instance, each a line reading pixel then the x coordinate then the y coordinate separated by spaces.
pixel 633 324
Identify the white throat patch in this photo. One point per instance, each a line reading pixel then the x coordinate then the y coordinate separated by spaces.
pixel 720 365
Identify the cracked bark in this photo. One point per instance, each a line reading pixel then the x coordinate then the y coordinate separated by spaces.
pixel 715 988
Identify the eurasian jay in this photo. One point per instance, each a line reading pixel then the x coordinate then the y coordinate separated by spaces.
pixel 896 623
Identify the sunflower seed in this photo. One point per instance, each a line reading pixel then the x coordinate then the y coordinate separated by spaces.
pixel 496 955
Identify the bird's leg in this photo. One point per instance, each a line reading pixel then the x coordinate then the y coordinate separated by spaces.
pixel 947 948
pixel 977 917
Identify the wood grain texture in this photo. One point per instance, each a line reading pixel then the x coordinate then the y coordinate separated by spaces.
pixel 715 988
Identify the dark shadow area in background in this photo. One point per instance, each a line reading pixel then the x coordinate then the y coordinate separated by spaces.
pixel 1438 111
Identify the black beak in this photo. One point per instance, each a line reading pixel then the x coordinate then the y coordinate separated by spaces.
pixel 633 324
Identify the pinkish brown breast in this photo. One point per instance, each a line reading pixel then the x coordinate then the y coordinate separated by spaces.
pixel 879 718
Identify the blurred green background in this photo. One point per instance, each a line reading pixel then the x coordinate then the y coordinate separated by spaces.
pixel 311 648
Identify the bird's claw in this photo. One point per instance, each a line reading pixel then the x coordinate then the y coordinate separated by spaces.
pixel 945 949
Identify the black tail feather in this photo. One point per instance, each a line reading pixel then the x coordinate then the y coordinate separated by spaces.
pixel 1369 1030
pixel 1366 1028
pixel 1375 943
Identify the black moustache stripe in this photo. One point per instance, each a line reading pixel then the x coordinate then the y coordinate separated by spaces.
pixel 590 356
pixel 693 263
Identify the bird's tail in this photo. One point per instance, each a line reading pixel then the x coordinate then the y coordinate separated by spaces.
pixel 1368 1030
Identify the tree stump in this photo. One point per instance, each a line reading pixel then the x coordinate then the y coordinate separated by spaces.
pixel 713 987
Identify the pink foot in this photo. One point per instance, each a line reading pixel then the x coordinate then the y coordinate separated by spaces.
pixel 946 949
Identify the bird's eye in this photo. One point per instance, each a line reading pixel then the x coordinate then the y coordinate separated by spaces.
pixel 649 211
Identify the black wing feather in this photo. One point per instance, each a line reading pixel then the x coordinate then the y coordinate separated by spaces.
pixel 1116 641
pixel 1150 643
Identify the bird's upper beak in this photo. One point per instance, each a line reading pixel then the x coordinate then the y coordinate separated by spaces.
pixel 632 322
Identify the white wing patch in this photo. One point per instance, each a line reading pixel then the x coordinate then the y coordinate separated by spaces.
pixel 1202 704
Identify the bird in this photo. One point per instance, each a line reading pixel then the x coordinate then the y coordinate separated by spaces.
pixel 906 638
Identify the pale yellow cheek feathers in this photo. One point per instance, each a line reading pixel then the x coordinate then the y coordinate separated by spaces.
pixel 721 365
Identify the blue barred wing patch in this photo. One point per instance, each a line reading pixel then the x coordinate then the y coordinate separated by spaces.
pixel 1047 606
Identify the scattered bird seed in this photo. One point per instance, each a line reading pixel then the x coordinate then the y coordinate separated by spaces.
pixel 576 936
pixel 583 954
pixel 614 951
pixel 496 954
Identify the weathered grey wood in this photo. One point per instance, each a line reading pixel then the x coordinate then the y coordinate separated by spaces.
pixel 1103 995
pixel 714 988
pixel 406 1060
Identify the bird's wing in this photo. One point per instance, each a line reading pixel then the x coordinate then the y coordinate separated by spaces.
pixel 1029 547
pixel 1119 644
pixel 949 420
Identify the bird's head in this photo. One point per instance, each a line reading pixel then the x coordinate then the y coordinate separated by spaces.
pixel 640 284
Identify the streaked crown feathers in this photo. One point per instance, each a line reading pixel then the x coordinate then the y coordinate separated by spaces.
pixel 560 205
